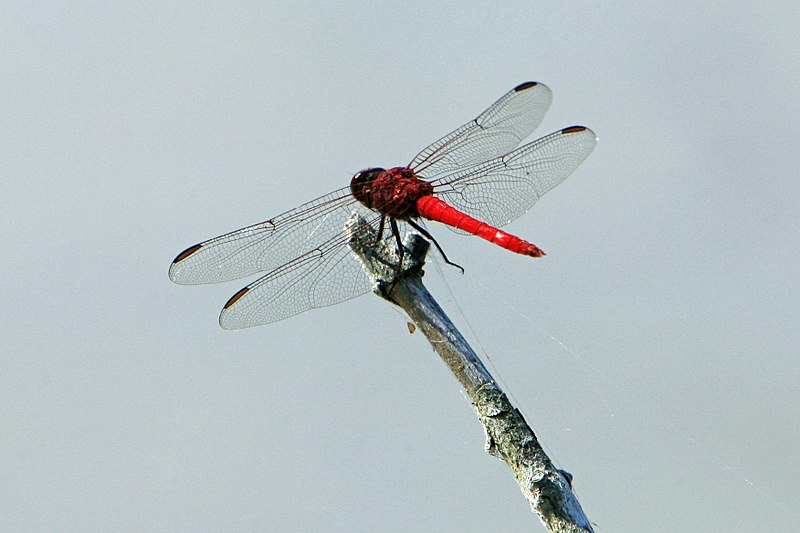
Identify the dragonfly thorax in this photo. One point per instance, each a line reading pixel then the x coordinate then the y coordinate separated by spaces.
pixel 392 192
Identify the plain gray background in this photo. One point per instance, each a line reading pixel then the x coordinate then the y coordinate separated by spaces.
pixel 654 350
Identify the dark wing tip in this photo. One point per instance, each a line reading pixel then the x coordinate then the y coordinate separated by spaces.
pixel 186 253
pixel 526 85
pixel 235 298
pixel 574 129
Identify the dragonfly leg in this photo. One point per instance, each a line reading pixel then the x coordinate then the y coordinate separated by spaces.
pixel 430 238
pixel 380 230
pixel 381 225
pixel 400 249
pixel 400 254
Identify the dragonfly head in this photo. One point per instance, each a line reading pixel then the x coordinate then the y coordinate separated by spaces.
pixel 361 185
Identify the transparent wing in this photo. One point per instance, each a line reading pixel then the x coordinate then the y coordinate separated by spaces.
pixel 493 133
pixel 264 246
pixel 500 190
pixel 327 275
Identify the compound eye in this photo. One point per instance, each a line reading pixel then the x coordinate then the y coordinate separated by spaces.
pixel 360 180
pixel 360 184
pixel 368 174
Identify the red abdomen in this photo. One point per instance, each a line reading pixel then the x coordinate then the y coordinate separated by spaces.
pixel 435 209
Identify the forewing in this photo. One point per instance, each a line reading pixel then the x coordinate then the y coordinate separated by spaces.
pixel 493 133
pixel 264 246
pixel 500 190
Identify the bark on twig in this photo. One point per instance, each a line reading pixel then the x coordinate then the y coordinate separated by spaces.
pixel 508 437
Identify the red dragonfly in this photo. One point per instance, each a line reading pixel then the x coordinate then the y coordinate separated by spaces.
pixel 474 171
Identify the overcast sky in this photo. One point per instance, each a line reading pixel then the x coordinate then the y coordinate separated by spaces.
pixel 654 350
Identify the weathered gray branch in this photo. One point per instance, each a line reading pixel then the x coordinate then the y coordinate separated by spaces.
pixel 508 437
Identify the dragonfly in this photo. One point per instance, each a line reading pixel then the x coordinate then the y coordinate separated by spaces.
pixel 475 180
